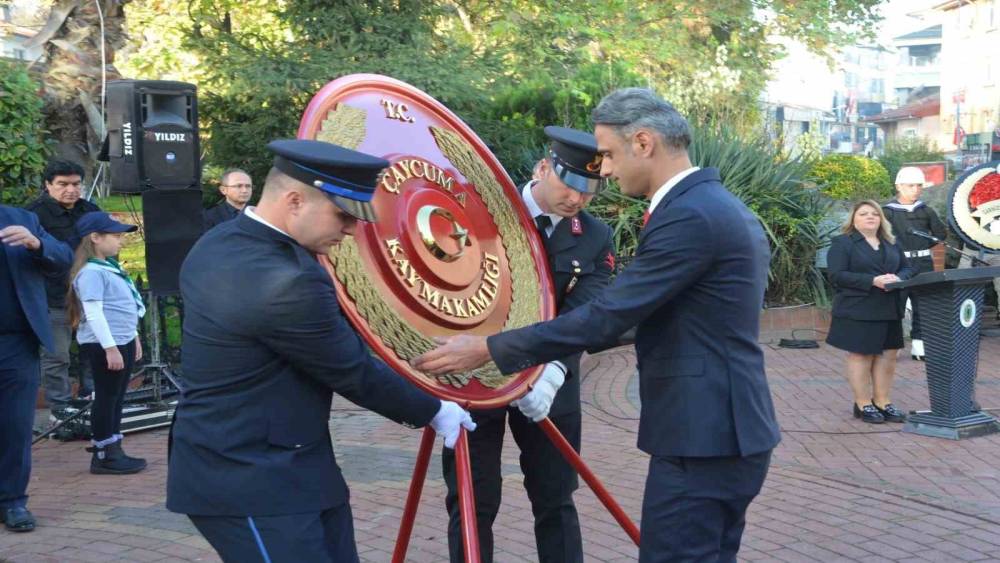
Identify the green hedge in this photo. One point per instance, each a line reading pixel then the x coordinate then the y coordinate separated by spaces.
pixel 23 151
pixel 850 177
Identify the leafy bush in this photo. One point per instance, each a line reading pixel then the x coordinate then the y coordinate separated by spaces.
pixel 774 188
pixel 914 149
pixel 23 151
pixel 850 177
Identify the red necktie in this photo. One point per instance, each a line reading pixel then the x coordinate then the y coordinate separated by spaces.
pixel 645 218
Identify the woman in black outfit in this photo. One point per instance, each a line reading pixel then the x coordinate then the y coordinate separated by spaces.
pixel 867 317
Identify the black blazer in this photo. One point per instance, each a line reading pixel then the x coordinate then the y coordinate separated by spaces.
pixel 695 289
pixel 265 347
pixel 852 264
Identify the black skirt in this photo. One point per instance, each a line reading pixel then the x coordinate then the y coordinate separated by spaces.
pixel 865 337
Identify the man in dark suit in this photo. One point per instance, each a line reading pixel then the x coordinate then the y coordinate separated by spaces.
pixel 581 259
pixel 251 460
pixel 694 289
pixel 58 208
pixel 28 254
pixel 236 189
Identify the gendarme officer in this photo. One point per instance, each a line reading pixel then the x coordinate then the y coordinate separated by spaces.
pixel 581 259
pixel 251 460
pixel 906 214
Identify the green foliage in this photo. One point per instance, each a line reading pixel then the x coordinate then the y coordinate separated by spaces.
pixel 507 68
pixel 23 151
pixel 911 149
pixel 850 177
pixel 754 169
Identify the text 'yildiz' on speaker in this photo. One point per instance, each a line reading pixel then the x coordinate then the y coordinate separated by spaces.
pixel 172 223
pixel 153 135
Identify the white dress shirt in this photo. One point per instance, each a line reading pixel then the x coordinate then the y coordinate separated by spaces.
pixel 535 210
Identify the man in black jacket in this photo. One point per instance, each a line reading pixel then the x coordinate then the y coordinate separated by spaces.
pixel 581 259
pixel 906 214
pixel 251 460
pixel 236 189
pixel 58 210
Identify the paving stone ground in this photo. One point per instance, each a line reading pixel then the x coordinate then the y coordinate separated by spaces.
pixel 839 490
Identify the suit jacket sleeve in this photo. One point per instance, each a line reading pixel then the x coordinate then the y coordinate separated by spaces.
pixel 838 261
pixel 54 256
pixel 303 323
pixel 672 255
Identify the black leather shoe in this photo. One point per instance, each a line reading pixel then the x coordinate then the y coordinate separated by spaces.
pixel 17 519
pixel 869 414
pixel 890 413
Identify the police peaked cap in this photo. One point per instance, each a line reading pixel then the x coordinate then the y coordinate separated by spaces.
pixel 347 177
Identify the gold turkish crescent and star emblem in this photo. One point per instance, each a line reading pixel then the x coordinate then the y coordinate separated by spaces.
pixel 451 253
pixel 459 235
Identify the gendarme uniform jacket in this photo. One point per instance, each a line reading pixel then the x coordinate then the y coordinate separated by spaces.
pixel 581 259
pixel 265 348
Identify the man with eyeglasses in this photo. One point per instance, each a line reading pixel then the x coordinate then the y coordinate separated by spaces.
pixel 236 187
pixel 58 209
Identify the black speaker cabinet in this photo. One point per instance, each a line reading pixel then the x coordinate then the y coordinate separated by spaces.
pixel 153 135
pixel 172 223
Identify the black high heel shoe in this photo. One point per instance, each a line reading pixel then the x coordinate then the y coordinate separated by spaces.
pixel 868 413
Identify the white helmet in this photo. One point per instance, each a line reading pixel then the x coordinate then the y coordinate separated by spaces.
pixel 911 175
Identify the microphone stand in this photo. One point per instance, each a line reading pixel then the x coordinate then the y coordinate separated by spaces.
pixel 975 260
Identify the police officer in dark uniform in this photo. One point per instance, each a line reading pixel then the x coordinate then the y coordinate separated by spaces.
pixel 906 214
pixel 251 460
pixel 581 259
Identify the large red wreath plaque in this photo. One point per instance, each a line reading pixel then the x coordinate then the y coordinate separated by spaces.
pixel 453 251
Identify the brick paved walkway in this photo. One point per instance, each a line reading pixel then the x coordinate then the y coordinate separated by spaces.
pixel 838 489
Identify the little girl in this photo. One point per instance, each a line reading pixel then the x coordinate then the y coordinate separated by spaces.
pixel 106 306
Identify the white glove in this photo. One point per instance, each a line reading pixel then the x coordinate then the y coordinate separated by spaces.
pixel 536 404
pixel 449 419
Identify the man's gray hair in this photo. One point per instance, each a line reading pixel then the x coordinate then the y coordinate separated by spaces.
pixel 629 109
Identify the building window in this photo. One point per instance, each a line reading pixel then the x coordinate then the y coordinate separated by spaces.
pixel 17 54
pixel 5 12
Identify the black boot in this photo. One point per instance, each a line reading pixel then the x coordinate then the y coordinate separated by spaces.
pixel 111 460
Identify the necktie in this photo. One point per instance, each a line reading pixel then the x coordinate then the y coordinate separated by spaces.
pixel 645 218
pixel 543 222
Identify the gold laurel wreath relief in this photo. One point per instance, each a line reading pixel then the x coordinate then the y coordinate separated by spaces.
pixel 342 126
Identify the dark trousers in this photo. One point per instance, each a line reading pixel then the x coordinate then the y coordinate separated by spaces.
pixel 19 379
pixel 693 509
pixel 109 389
pixel 548 479
pixel 319 537
pixel 919 265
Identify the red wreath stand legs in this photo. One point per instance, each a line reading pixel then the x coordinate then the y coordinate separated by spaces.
pixel 466 498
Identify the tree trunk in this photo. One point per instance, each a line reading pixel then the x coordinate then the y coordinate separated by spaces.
pixel 72 79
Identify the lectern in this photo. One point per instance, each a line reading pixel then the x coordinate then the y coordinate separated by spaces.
pixel 951 303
